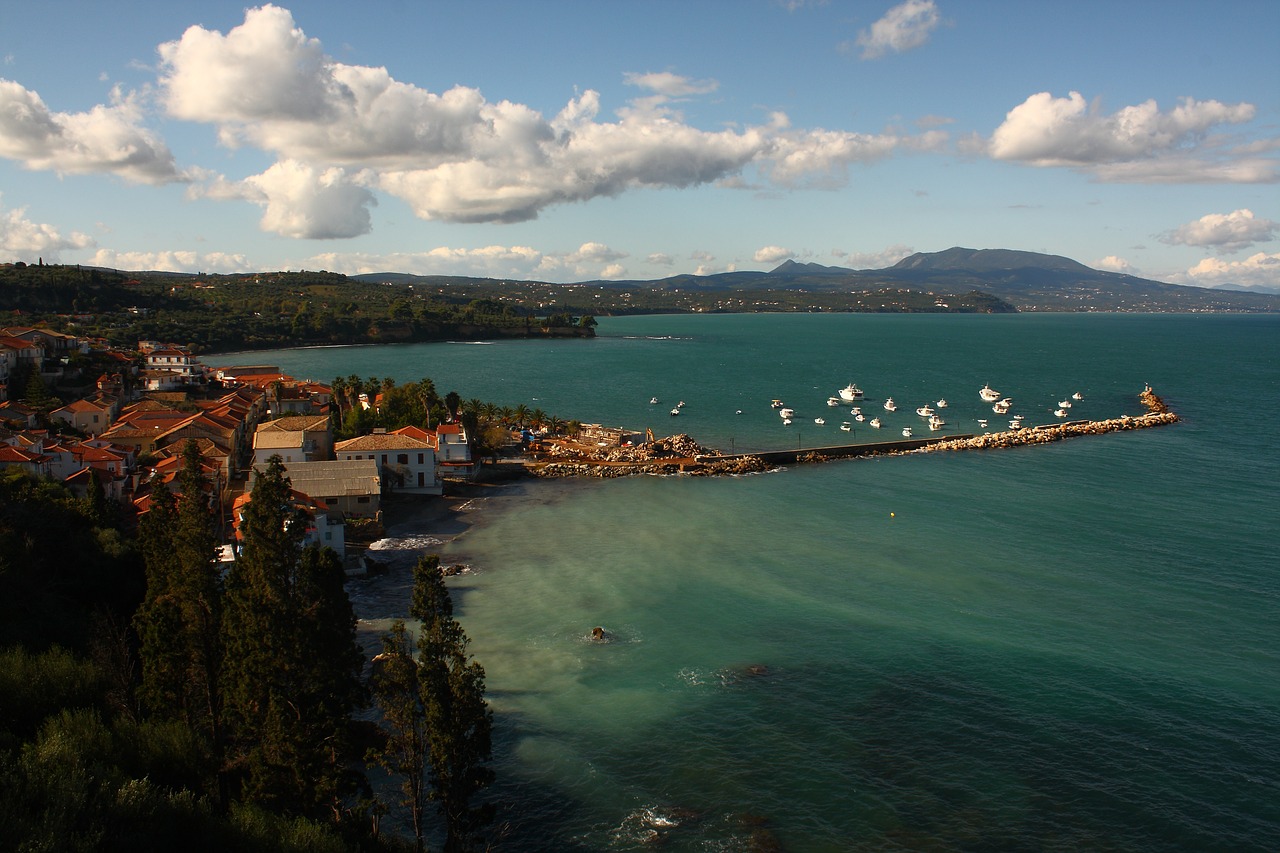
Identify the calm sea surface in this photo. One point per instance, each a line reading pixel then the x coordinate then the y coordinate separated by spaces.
pixel 1071 647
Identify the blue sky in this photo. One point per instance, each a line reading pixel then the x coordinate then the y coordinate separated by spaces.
pixel 566 141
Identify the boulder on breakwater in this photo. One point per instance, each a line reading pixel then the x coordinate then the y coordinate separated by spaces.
pixel 676 454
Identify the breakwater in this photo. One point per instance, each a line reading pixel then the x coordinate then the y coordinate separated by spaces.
pixel 680 454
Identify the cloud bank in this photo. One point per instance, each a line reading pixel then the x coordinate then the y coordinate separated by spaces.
pixel 1226 232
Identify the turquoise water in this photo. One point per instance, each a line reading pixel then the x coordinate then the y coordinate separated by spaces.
pixel 1053 648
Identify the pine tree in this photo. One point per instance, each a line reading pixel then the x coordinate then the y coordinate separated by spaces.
pixel 459 723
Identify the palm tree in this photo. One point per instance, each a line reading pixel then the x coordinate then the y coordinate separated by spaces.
pixel 338 387
pixel 556 425
pixel 521 414
pixel 537 417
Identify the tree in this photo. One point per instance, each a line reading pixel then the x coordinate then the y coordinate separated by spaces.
pixel 459 723
pixel 291 666
pixel 397 692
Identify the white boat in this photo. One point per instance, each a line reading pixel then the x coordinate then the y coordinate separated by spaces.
pixel 675 412
pixel 680 405
pixel 785 412
pixel 1016 423
pixel 775 404
pixel 982 422
pixel 1062 413
pixel 833 401
pixel 942 404
pixel 846 426
pixel 859 417
pixel 1002 407
pixel 906 432
pixel 875 422
pixel 924 411
pixel 987 395
pixel 890 406
pixel 738 412
pixel 653 401
pixel 856 410
pixel 819 421
pixel 786 421
pixel 936 423
pixel 1077 396
pixel 850 392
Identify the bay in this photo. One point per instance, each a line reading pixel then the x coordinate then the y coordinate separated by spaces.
pixel 1061 647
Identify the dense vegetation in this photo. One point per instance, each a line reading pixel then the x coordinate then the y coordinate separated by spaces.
pixel 150 701
pixel 230 312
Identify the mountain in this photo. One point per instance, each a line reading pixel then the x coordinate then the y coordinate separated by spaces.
pixel 1016 280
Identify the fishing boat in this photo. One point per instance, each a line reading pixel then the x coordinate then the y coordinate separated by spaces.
pixel 942 404
pixel 906 432
pixel 987 395
pixel 924 411
pixel 1064 404
pixel 1062 413
pixel 819 421
pixel 936 423
pixel 775 404
pixel 833 401
pixel 850 392
pixel 846 426
pixel 1077 396
pixel 785 412
pixel 653 401
pixel 1002 407
pixel 675 411
pixel 890 406
pixel 875 422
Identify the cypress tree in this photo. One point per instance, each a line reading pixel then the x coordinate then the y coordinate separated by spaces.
pixel 291 665
pixel 397 693
pixel 459 723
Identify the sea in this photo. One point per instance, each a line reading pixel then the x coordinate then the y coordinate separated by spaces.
pixel 1073 646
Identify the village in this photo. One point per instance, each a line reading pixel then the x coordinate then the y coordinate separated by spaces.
pixel 124 436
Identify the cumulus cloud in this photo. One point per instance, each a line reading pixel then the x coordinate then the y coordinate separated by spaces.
pixel 1226 232
pixel 1261 270
pixel 660 259
pixel 589 260
pixel 172 261
pixel 456 156
pixel 904 27
pixel 1135 144
pixel 1114 263
pixel 772 255
pixel 27 241
pixel 108 138
pixel 886 257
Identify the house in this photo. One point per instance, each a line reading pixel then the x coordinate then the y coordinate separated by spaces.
pixel 454 450
pixel 407 463
pixel 34 463
pixel 294 438
pixel 323 527
pixel 353 487
pixel 86 416
pixel 174 360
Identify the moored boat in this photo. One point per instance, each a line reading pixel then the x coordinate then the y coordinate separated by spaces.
pixel 850 392
pixel 906 432
pixel 875 422
pixel 987 395
pixel 924 411
pixel 890 406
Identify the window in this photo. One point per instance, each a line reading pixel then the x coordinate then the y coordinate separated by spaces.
pixel 362 499
pixel 330 501
pixel 403 458
pixel 384 459
pixel 419 458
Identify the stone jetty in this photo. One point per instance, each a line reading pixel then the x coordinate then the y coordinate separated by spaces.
pixel 680 454
pixel 1158 414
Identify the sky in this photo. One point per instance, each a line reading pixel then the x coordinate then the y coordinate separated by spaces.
pixel 569 141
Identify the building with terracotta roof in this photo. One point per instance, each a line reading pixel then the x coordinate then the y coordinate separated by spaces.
pixel 294 438
pixel 407 463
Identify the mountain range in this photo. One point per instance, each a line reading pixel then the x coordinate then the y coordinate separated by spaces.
pixel 1027 281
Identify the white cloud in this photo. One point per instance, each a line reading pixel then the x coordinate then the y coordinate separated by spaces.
pixel 1260 270
pixel 1137 144
pixel 660 259
pixel 27 241
pixel 458 157
pixel 613 271
pixel 172 261
pixel 1114 263
pixel 904 27
pixel 108 139
pixel 669 84
pixel 1228 232
pixel 886 257
pixel 772 255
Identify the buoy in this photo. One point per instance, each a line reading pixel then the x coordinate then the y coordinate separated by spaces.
pixel 891 515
